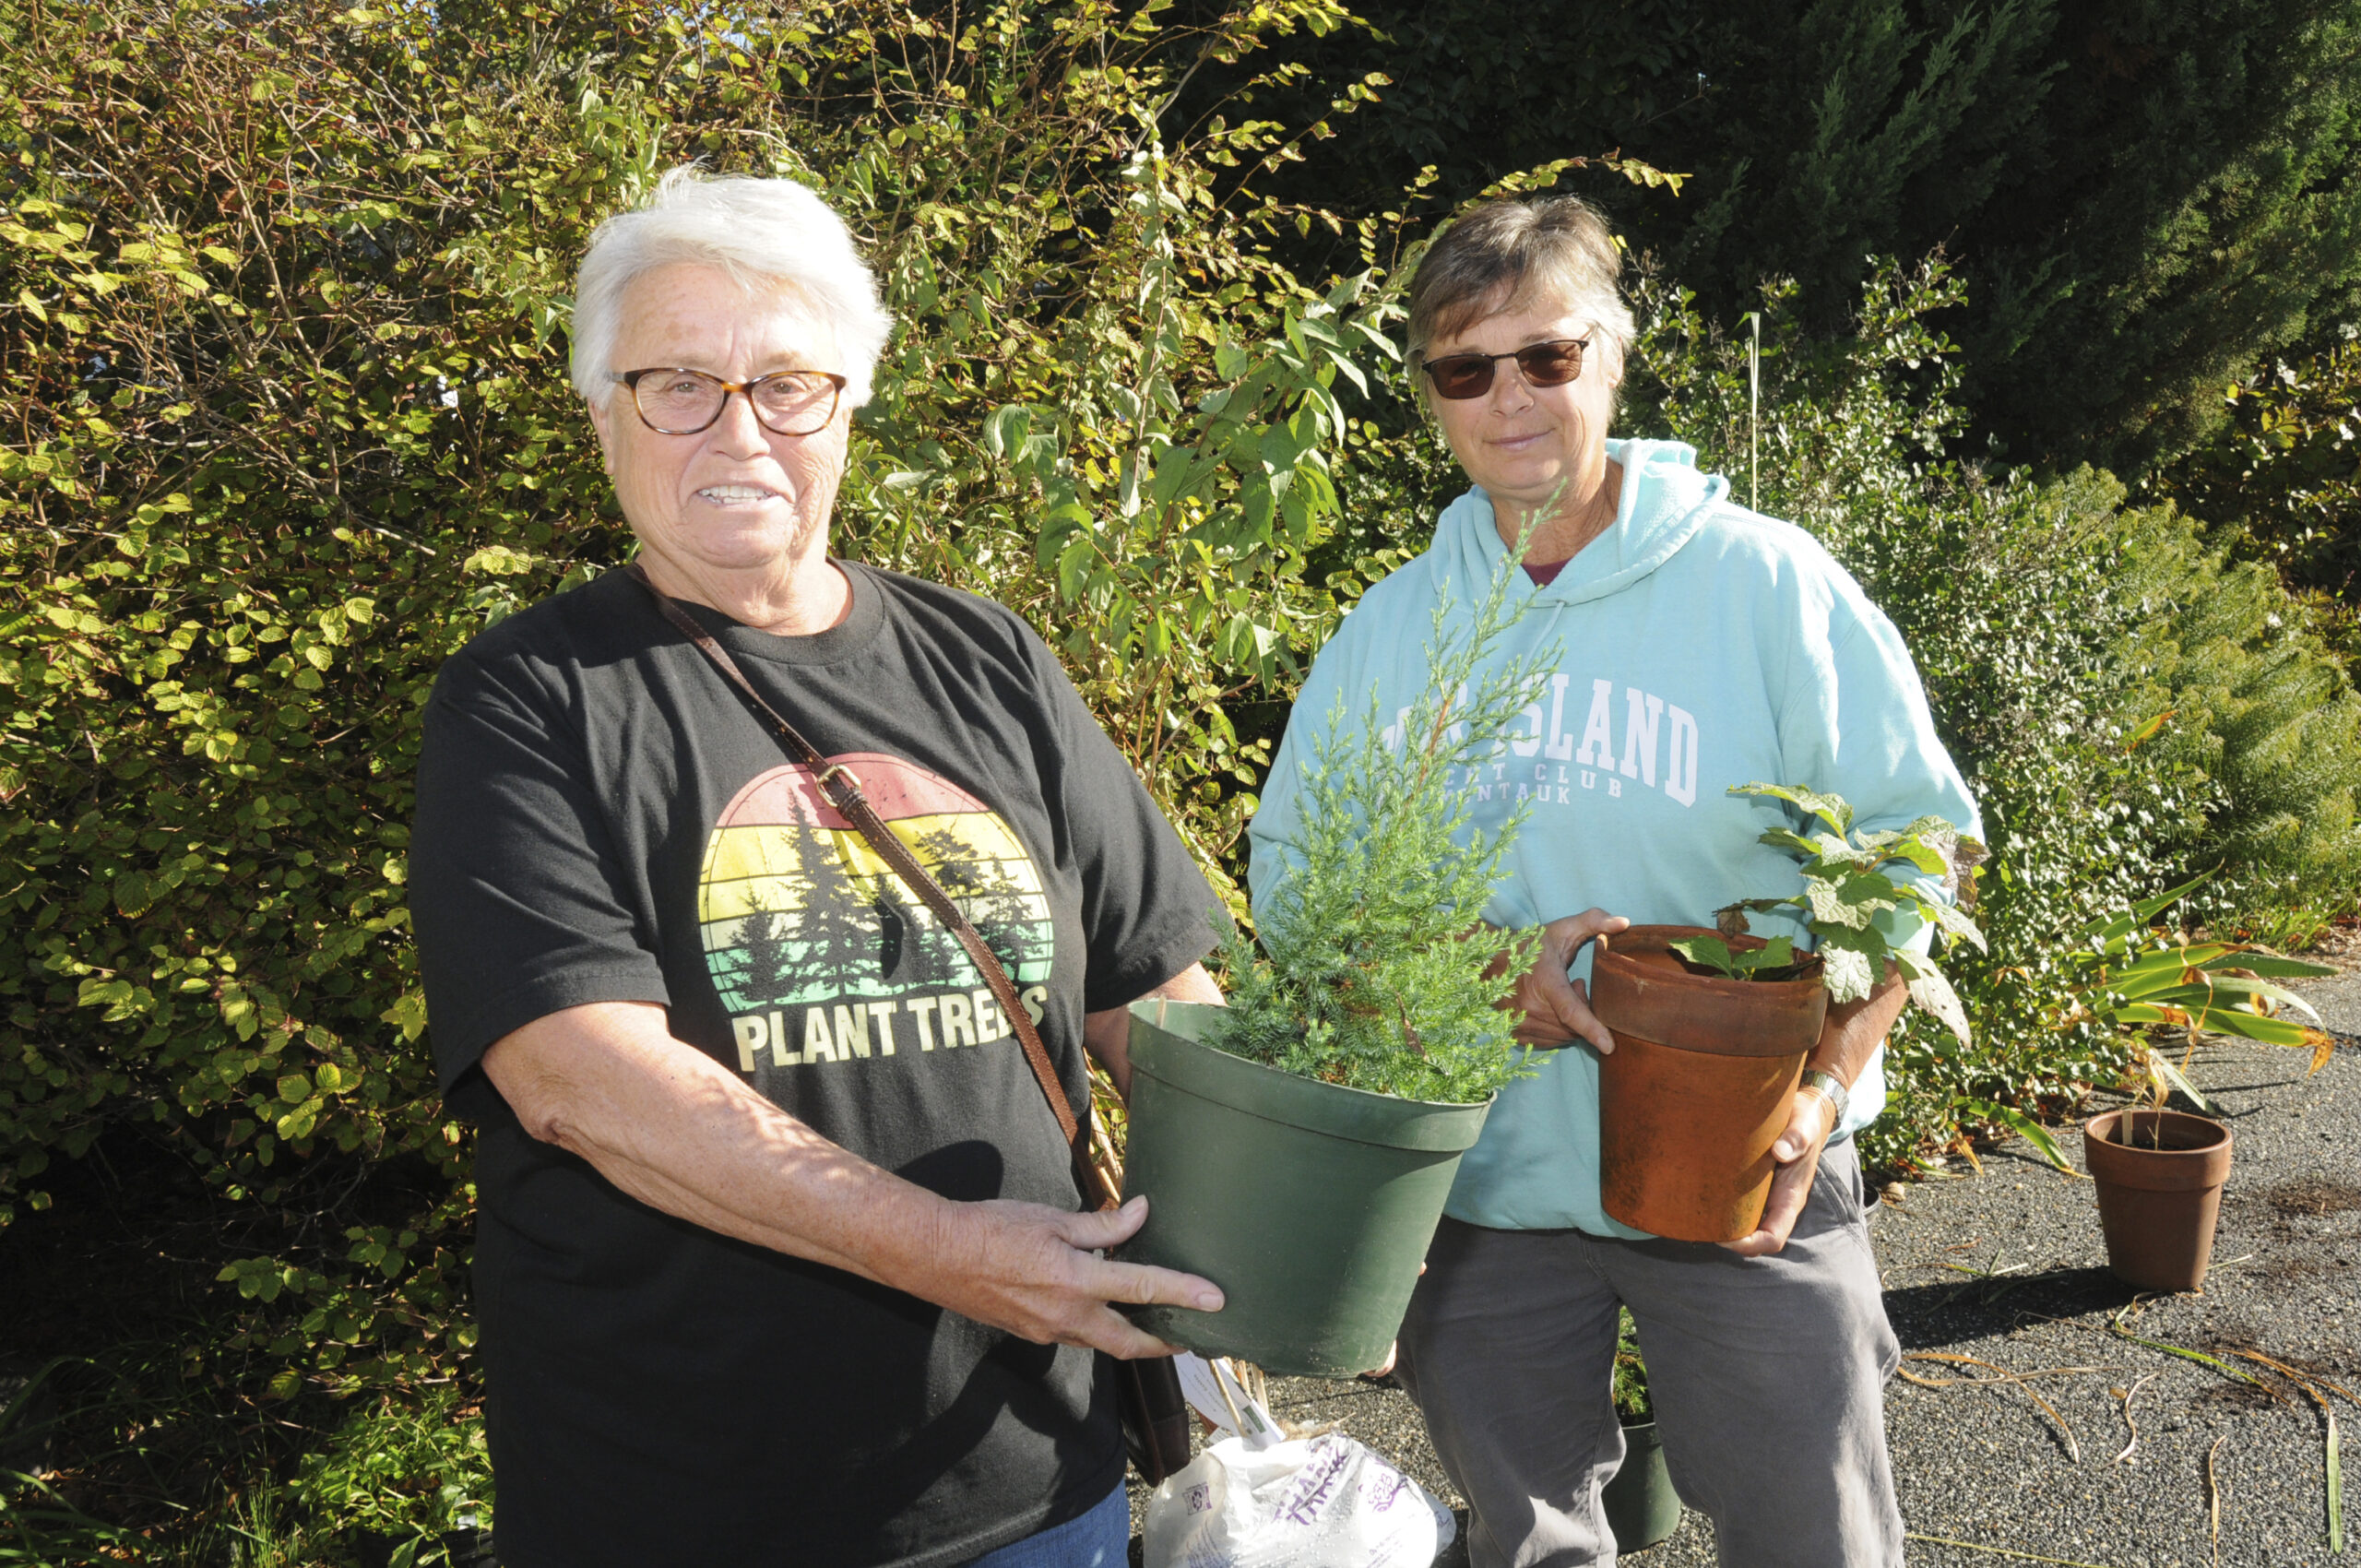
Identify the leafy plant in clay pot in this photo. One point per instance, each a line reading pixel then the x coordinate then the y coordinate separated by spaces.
pixel 2159 1173
pixel 1297 1144
pixel 1845 888
pixel 2129 976
pixel 1713 1028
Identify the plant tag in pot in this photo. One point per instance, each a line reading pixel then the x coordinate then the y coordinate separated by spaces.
pixel 1214 1392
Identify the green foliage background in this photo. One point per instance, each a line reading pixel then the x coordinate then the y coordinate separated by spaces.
pixel 283 423
pixel 2145 198
pixel 2279 480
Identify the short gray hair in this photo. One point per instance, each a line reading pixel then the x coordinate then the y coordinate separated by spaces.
pixel 1510 254
pixel 761 233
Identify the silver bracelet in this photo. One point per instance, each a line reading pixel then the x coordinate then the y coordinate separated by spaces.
pixel 1831 1089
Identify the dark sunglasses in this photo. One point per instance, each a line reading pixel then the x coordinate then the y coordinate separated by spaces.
pixel 1461 376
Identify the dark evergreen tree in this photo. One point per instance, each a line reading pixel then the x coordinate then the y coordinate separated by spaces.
pixel 766 976
pixel 831 942
pixel 2144 197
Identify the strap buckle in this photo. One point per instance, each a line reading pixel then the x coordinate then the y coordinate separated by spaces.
pixel 853 792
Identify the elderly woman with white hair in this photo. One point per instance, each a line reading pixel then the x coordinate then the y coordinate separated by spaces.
pixel 1699 645
pixel 779 1256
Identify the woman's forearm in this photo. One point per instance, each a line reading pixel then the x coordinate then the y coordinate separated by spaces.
pixel 1108 1035
pixel 680 1132
pixel 675 1129
pixel 1855 1029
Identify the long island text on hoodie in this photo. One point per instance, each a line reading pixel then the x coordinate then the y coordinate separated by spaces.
pixel 1703 645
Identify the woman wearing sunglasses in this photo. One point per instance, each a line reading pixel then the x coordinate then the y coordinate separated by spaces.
pixel 1701 645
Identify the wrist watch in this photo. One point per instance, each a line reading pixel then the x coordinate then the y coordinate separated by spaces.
pixel 1832 1088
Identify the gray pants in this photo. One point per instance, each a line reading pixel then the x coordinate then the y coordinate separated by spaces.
pixel 1767 1374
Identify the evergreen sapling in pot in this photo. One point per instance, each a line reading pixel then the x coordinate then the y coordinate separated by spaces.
pixel 1297 1145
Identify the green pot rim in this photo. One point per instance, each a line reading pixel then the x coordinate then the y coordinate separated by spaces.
pixel 1182 1062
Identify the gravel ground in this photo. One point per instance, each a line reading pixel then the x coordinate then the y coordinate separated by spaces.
pixel 2008 1266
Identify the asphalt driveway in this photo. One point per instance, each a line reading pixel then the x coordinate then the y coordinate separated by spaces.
pixel 2007 1266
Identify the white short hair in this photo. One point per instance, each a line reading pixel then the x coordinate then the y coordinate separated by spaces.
pixel 763 233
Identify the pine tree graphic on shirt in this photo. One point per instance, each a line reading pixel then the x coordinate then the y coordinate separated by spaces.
pixel 798 911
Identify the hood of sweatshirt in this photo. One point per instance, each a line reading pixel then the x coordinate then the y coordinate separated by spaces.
pixel 1664 501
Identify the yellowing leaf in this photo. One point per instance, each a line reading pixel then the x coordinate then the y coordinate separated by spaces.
pixel 408 1014
pixel 497 560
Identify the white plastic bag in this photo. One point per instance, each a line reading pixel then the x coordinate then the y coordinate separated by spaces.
pixel 1324 1503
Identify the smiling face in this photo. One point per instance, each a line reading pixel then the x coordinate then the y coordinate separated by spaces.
pixel 1519 442
pixel 733 503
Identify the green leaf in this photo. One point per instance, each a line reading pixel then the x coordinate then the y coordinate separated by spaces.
pixel 1831 809
pixel 1005 429
pixel 1848 972
pixel 1930 990
pixel 1957 924
pixel 1786 838
pixel 408 1014
pixel 1707 953
pixel 1852 903
pixel 2025 1127
pixel 497 560
pixel 2160 1067
pixel 2274 966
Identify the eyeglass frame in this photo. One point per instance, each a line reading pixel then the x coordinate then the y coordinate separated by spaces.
pixel 1581 354
pixel 629 380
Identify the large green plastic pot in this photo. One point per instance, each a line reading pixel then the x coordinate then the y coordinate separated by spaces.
pixel 1638 1499
pixel 1309 1204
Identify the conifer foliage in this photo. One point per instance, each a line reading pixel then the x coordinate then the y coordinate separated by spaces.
pixel 1371 970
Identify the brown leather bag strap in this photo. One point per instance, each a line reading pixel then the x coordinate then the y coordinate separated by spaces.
pixel 841 788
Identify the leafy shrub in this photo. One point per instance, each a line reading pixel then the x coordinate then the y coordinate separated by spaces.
pixel 289 424
pixel 2128 711
pixel 413 1469
pixel 2281 481
pixel 2264 708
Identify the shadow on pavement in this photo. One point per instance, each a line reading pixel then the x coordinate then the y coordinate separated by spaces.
pixel 1965 1307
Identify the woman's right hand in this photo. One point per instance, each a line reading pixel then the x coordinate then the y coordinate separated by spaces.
pixel 1556 1006
pixel 1032 1271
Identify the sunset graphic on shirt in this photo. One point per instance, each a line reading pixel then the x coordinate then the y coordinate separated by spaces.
pixel 799 915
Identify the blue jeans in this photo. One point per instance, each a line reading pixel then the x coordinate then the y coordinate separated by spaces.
pixel 1101 1538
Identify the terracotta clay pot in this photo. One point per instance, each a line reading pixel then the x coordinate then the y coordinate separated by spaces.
pixel 1698 1084
pixel 2157 1205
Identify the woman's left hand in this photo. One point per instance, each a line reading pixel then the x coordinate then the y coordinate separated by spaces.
pixel 1557 1006
pixel 1810 1118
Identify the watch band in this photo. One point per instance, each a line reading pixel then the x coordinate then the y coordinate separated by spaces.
pixel 1832 1088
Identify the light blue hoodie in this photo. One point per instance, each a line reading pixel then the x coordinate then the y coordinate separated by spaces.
pixel 1704 646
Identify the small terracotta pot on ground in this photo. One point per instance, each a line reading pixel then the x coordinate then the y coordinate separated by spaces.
pixel 2159 1196
pixel 1698 1084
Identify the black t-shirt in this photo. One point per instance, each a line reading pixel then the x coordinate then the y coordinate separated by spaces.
pixel 602 818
